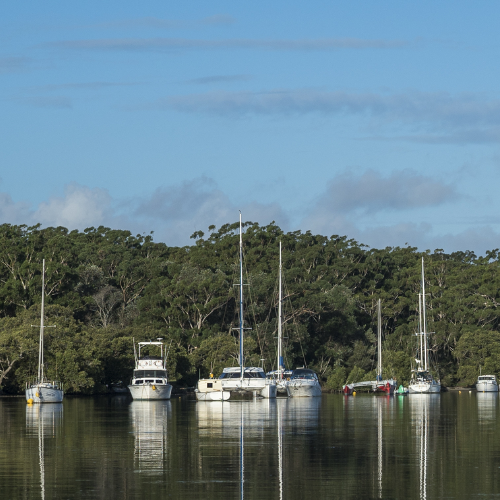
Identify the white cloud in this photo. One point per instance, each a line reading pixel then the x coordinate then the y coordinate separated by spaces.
pixel 176 212
pixel 80 207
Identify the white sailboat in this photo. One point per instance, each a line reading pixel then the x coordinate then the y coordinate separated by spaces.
pixel 422 381
pixel 245 379
pixel 388 386
pixel 280 375
pixel 150 380
pixel 42 390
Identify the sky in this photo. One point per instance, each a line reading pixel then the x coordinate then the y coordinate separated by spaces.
pixel 375 120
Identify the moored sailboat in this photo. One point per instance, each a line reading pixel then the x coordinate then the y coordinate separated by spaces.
pixel 422 381
pixel 244 379
pixel 43 390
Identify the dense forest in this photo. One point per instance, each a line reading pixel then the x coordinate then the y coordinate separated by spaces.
pixel 106 287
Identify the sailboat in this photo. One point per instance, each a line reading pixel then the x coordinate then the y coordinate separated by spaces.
pixel 42 390
pixel 387 386
pixel 281 374
pixel 246 379
pixel 422 382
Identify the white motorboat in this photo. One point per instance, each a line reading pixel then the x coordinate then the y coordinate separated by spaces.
pixel 422 381
pixel 150 380
pixel 42 390
pixel 210 389
pixel 487 383
pixel 303 383
pixel 244 379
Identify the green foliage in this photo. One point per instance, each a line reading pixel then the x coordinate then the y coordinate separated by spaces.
pixel 337 379
pixel 106 287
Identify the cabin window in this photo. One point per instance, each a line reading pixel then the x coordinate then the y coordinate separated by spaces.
pixel 137 382
pixel 210 384
pixel 159 381
pixel 150 373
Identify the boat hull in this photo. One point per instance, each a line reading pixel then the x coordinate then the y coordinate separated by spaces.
pixel 264 389
pixel 486 387
pixel 150 391
pixel 303 389
pixel 424 388
pixel 44 393
pixel 213 396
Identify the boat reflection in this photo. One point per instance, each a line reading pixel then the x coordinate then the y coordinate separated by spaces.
pixel 486 406
pixel 423 407
pixel 43 421
pixel 150 422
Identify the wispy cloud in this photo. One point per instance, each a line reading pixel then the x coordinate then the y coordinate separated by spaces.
pixel 170 44
pixel 83 86
pixel 437 117
pixel 159 23
pixel 206 80
pixel 371 192
pixel 13 64
pixel 55 102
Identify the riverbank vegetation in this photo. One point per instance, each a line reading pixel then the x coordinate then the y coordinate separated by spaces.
pixel 106 287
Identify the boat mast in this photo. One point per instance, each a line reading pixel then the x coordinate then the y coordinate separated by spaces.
pixel 424 323
pixel 241 302
pixel 379 364
pixel 420 329
pixel 280 332
pixel 40 352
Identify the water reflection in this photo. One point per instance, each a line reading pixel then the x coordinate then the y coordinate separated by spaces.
pixel 43 420
pixel 423 406
pixel 486 406
pixel 150 421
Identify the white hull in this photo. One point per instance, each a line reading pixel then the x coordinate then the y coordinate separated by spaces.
pixel 150 391
pixel 261 387
pixel 44 393
pixel 303 389
pixel 486 387
pixel 424 388
pixel 213 396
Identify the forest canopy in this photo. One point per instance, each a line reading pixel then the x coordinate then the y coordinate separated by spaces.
pixel 106 287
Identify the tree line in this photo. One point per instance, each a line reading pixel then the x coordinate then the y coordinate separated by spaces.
pixel 106 287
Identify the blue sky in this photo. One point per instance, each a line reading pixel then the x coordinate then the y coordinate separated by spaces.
pixel 375 120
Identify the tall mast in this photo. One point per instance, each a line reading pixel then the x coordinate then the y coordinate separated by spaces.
pixel 424 319
pixel 40 352
pixel 379 367
pixel 241 302
pixel 421 334
pixel 280 332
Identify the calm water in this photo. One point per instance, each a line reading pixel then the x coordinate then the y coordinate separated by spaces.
pixel 436 446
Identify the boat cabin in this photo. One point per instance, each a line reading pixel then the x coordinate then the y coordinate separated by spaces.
pixel 303 374
pixel 249 372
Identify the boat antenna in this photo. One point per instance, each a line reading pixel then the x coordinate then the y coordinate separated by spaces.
pixel 166 356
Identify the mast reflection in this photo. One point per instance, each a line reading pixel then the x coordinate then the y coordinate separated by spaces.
pixel 43 421
pixel 150 422
pixel 422 407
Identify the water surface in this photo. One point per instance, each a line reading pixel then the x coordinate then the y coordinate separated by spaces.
pixel 419 446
